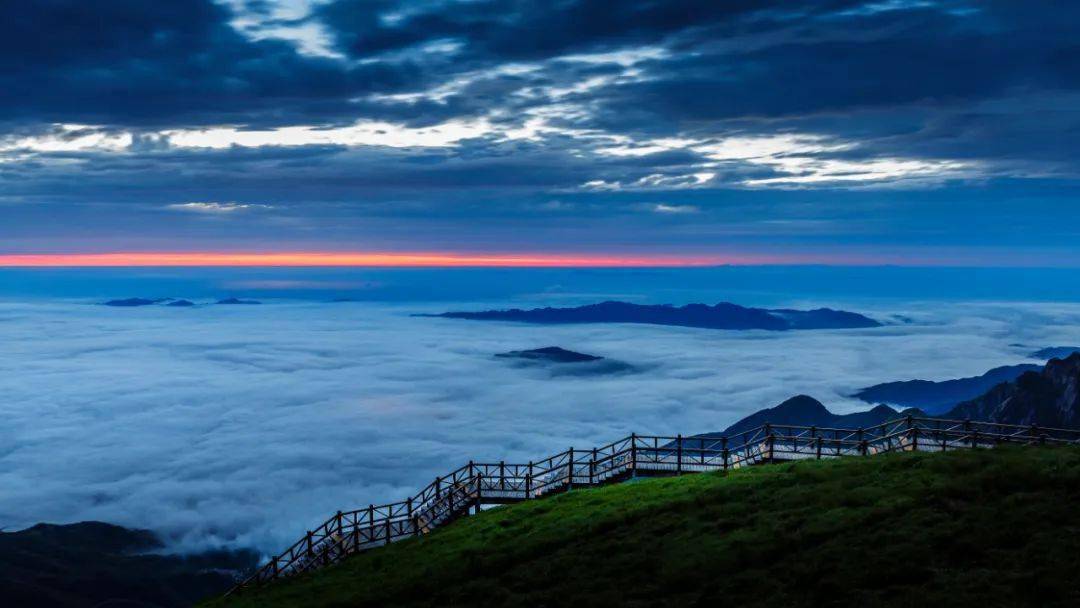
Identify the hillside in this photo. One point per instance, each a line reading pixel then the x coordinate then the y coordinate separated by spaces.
pixel 94 564
pixel 965 528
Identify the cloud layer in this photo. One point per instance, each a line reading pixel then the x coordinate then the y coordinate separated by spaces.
pixel 218 425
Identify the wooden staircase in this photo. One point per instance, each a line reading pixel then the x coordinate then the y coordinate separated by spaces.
pixel 467 488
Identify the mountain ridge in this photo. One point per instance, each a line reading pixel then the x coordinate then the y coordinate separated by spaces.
pixel 938 397
pixel 1050 398
pixel 804 410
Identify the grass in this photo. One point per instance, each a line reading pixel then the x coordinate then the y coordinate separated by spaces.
pixel 968 528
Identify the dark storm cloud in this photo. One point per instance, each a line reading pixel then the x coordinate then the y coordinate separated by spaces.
pixel 561 106
pixel 178 63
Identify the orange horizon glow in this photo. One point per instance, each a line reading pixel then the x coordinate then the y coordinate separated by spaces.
pixel 374 259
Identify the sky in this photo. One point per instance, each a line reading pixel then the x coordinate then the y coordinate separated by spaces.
pixel 659 132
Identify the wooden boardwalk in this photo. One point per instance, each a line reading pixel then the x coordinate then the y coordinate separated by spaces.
pixel 465 489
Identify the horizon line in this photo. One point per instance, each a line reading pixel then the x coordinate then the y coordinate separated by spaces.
pixel 362 259
pixel 436 259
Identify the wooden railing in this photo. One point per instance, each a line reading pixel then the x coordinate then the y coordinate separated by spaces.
pixel 453 495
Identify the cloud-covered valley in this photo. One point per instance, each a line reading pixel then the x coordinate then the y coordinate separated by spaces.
pixel 243 426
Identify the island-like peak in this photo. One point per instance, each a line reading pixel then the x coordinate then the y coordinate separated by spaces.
pixel 723 315
pixel 553 354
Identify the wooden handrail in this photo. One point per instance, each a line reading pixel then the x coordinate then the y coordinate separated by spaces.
pixel 453 495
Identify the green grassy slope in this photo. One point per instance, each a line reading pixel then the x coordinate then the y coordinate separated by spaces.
pixel 970 528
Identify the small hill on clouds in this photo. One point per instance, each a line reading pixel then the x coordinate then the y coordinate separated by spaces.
pixel 561 362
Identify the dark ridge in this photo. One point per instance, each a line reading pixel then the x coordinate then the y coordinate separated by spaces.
pixel 131 302
pixel 1050 397
pixel 91 564
pixel 238 301
pixel 939 397
pixel 803 410
pixel 824 318
pixel 181 303
pixel 721 316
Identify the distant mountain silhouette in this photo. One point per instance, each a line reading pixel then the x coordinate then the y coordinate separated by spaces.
pixel 181 303
pixel 98 564
pixel 823 318
pixel 1054 352
pixel 804 410
pixel 562 362
pixel 721 316
pixel 238 301
pixel 1050 397
pixel 938 397
pixel 130 302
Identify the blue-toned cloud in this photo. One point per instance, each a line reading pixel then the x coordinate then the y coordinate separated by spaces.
pixel 220 425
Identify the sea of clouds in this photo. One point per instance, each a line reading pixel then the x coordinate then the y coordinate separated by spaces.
pixel 245 425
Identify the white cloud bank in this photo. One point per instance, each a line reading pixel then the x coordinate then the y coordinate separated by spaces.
pixel 246 425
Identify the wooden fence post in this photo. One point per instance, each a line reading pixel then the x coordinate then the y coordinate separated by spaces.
pixel 633 454
pixel 371 523
pixel 769 440
pixel 678 454
pixel 528 481
pixel 725 454
pixel 310 549
pixel 592 468
pixel 570 470
pixel 413 518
